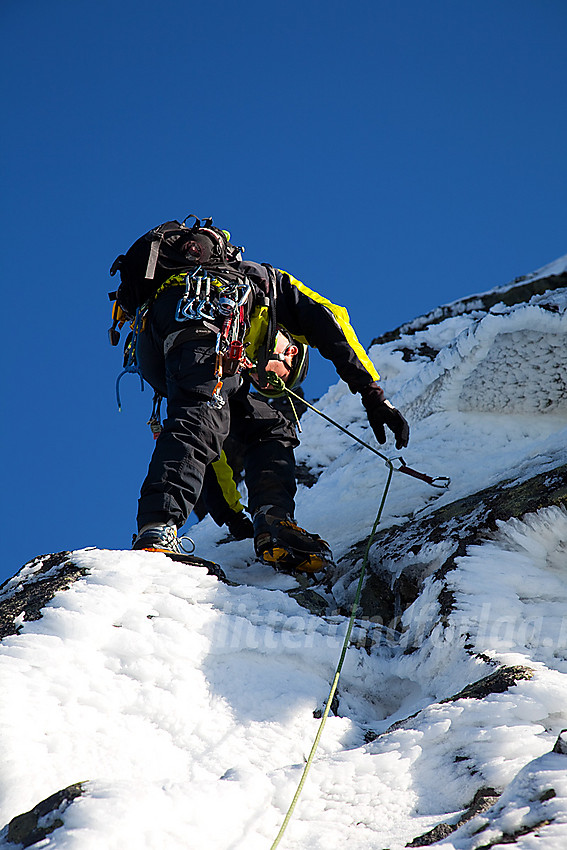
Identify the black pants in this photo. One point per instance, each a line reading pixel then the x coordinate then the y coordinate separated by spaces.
pixel 194 432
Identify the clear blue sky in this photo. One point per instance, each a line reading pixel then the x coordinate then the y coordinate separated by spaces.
pixel 392 155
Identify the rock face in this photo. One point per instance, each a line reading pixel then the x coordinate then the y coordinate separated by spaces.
pixel 23 597
pixel 418 594
pixel 33 827
pixel 412 552
pixel 521 291
pixel 482 801
pixel 508 357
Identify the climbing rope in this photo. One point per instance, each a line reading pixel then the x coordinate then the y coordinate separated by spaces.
pixel 346 642
pixel 439 482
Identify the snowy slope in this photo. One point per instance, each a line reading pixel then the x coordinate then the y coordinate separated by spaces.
pixel 184 705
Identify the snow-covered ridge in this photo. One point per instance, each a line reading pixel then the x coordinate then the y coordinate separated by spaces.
pixel 513 360
pixel 171 709
pixel 546 279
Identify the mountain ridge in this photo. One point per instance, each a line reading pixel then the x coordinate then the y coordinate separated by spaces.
pixel 147 702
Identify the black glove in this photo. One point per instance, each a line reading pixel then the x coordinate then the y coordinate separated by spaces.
pixel 240 526
pixel 380 412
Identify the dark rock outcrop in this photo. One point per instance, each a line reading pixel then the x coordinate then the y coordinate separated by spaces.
pixel 34 826
pixel 405 551
pixel 40 580
pixel 483 800
pixel 518 292
pixel 495 683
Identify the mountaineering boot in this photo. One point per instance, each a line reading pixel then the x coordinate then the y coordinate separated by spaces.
pixel 279 541
pixel 159 538
pixel 163 538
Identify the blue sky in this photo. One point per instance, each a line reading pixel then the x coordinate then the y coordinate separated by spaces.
pixel 392 156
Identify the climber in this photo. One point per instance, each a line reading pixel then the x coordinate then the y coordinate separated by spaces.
pixel 212 319
pixel 219 495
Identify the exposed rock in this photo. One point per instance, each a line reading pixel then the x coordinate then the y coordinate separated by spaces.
pixel 496 683
pixel 310 599
pixel 512 837
pixel 561 743
pixel 518 292
pixel 548 795
pixel 420 548
pixel 483 800
pixel 34 826
pixel 335 702
pixel 306 476
pixel 23 596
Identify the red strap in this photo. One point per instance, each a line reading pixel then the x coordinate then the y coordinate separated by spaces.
pixel 441 481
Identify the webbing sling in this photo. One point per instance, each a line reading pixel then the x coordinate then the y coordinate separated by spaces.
pixel 270 339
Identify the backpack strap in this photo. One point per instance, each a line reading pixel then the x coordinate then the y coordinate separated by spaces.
pixel 270 338
pixel 156 236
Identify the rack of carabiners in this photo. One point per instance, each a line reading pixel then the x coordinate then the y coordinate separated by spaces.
pixel 208 298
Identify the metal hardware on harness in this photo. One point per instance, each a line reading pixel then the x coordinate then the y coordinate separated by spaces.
pixel 192 306
pixel 155 419
pixel 233 358
pixel 216 400
pixel 196 302
pixel 232 296
pixel 229 349
pixel 130 364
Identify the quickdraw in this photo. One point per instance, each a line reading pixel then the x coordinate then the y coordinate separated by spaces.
pixel 440 481
pixel 228 307
pixel 196 301
pixel 130 364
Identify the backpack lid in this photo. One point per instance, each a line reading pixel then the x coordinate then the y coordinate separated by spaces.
pixel 168 249
pixel 206 243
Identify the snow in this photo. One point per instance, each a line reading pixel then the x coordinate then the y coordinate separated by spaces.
pixel 555 268
pixel 187 705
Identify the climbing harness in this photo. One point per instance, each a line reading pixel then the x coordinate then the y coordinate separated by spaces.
pixel 221 305
pixel 230 357
pixel 228 307
pixel 441 482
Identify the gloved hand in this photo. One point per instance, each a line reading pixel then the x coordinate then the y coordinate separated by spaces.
pixel 380 412
pixel 240 526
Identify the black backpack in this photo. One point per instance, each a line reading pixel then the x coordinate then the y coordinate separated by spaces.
pixel 167 249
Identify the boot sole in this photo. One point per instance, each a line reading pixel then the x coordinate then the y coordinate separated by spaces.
pixel 212 567
pixel 281 559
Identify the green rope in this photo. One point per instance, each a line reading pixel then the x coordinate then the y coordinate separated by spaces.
pixel 440 482
pixel 276 381
pixel 346 642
